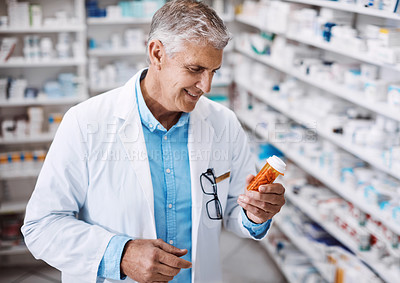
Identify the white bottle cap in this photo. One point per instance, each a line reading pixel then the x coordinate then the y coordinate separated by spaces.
pixel 277 164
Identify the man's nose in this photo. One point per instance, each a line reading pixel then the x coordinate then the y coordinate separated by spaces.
pixel 205 82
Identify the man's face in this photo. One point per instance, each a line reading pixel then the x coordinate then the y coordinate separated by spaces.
pixel 187 75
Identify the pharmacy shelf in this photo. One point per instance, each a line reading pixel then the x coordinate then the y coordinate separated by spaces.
pixel 349 8
pixel 227 17
pixel 250 21
pixel 104 88
pixel 127 20
pixel 117 21
pixel 42 100
pixel 42 138
pixel 344 191
pixel 43 29
pixel 331 228
pixel 22 63
pixel 341 50
pixel 221 83
pixel 338 187
pixel 285 268
pixel 116 52
pixel 253 22
pixel 21 174
pixel 310 122
pixel 356 97
pixel 304 245
pixel 12 207
pixel 321 44
pixel 15 250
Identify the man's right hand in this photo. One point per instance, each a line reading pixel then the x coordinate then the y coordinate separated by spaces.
pixel 148 261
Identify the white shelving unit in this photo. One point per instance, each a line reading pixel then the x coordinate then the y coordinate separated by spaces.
pixel 43 138
pixel 254 23
pixel 13 207
pixel 319 43
pixel 44 29
pixel 100 89
pixel 17 185
pixel 116 52
pixel 303 118
pixel 306 120
pixel 117 21
pixel 43 64
pixel 332 183
pixel 42 100
pixel 17 250
pixel 17 175
pixel 285 270
pixel 354 8
pixel 337 187
pixel 101 28
pixel 303 245
pixel 339 49
pixel 355 97
pixel 379 268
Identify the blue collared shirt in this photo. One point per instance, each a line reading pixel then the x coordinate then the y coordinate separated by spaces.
pixel 170 174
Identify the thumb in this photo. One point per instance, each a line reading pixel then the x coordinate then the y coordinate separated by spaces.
pixel 249 178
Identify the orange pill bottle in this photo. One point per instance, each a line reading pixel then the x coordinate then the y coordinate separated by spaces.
pixel 267 175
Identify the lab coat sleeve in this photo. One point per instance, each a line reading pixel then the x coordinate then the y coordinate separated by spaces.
pixel 51 228
pixel 242 165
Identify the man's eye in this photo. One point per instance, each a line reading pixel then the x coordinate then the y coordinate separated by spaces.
pixel 195 70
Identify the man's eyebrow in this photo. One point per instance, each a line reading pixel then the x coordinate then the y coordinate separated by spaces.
pixel 199 66
pixel 217 68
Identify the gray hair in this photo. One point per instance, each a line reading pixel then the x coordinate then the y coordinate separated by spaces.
pixel 180 21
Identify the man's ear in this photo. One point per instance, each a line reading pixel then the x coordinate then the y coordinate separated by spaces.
pixel 156 53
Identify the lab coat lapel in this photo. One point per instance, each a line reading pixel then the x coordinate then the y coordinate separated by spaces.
pixel 132 138
pixel 199 146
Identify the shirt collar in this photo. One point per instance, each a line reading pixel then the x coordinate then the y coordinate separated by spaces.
pixel 148 119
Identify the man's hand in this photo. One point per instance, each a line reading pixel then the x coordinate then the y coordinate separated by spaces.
pixel 148 261
pixel 262 205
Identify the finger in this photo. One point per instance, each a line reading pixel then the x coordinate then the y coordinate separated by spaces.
pixel 169 248
pixel 174 261
pixel 161 278
pixel 260 205
pixel 258 212
pixel 274 188
pixel 265 197
pixel 167 270
pixel 249 178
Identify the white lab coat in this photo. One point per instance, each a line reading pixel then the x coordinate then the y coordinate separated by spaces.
pixel 96 183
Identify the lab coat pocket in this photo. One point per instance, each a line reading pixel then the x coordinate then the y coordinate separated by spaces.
pixel 213 208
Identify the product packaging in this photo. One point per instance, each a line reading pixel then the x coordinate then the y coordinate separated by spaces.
pixel 267 175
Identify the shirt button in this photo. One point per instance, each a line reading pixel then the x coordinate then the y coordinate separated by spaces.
pixel 168 170
pixel 159 127
pixel 170 205
pixel 151 125
pixel 165 137
pixel 171 242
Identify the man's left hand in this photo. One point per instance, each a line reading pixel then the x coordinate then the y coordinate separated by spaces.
pixel 263 204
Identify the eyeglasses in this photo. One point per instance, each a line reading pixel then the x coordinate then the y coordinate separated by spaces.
pixel 209 187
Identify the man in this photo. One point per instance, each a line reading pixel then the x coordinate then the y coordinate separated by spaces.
pixel 138 181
